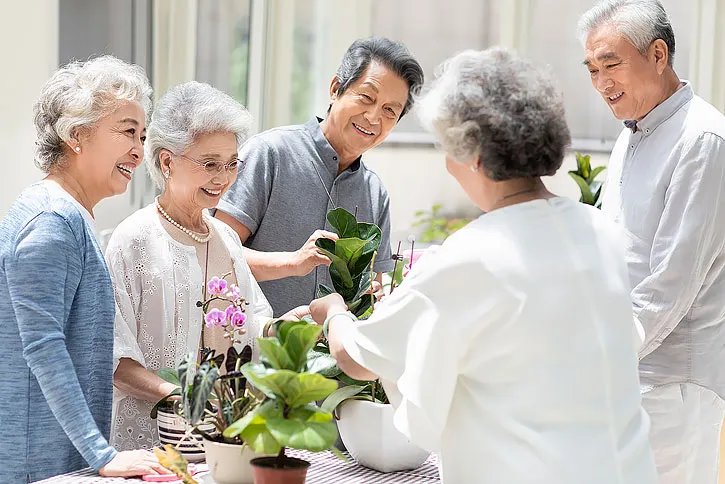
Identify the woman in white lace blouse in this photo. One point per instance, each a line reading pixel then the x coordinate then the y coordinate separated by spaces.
pixel 161 256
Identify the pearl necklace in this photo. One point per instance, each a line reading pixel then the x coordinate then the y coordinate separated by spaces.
pixel 188 232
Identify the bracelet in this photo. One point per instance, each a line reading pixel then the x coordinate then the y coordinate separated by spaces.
pixel 267 325
pixel 326 324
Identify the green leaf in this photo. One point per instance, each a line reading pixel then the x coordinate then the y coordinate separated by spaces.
pixel 584 164
pixel 322 363
pixel 170 375
pixel 349 250
pixel 343 223
pixel 596 171
pixel 273 354
pixel 339 396
pixel 283 328
pixel 307 435
pixel 323 290
pixel 204 380
pixel 164 401
pixel 312 387
pixel 363 285
pixel 587 196
pixel 300 340
pixel 294 389
pixel 361 306
pixel 370 233
pixel 338 268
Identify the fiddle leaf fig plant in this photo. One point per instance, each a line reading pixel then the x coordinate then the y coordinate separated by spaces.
pixel 287 417
pixel 585 177
pixel 352 256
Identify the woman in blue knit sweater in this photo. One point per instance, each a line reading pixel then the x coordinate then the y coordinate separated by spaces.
pixel 56 298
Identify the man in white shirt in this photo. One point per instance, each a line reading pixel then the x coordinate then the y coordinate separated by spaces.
pixel 666 188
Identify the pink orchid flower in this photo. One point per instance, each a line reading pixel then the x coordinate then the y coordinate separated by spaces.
pixel 234 292
pixel 215 317
pixel 217 286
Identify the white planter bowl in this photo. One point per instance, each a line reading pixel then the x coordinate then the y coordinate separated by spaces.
pixel 369 435
pixel 229 463
pixel 172 428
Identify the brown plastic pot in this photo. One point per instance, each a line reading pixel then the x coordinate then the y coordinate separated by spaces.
pixel 267 470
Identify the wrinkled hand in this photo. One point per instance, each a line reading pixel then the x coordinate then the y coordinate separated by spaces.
pixel 323 307
pixel 133 463
pixel 296 314
pixel 377 290
pixel 309 256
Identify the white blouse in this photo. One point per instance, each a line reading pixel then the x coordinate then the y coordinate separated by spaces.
pixel 510 351
pixel 157 282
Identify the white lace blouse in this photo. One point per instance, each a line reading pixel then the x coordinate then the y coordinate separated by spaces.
pixel 157 282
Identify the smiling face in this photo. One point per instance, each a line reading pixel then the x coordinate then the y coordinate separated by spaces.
pixel 112 150
pixel 630 83
pixel 193 187
pixel 363 116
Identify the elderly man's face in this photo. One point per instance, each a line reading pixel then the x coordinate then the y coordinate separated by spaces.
pixel 629 82
pixel 367 111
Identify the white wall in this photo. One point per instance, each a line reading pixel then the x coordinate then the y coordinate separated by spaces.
pixel 416 178
pixel 29 34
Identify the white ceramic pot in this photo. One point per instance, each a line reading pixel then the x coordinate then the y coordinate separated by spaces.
pixel 172 428
pixel 370 436
pixel 229 463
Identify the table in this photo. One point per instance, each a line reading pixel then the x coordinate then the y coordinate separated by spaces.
pixel 325 469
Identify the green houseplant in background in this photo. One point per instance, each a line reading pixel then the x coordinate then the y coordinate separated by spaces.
pixel 287 417
pixel 586 178
pixel 436 226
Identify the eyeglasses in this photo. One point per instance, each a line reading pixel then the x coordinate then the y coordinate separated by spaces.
pixel 215 167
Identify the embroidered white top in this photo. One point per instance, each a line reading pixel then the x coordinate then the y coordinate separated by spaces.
pixel 666 188
pixel 511 351
pixel 157 282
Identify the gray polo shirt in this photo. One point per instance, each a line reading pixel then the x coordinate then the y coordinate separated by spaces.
pixel 280 196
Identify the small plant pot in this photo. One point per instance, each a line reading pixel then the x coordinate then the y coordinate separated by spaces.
pixel 229 463
pixel 172 428
pixel 292 471
pixel 373 441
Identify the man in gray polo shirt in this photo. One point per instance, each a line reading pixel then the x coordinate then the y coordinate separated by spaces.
pixel 294 175
pixel 666 188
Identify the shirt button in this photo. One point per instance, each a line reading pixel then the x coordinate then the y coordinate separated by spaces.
pixel 334 158
pixel 646 130
pixel 631 147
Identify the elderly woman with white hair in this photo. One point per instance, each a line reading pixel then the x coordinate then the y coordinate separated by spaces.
pixel 161 257
pixel 510 349
pixel 56 296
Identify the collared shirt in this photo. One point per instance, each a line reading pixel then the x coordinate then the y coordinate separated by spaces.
pixel 666 187
pixel 281 196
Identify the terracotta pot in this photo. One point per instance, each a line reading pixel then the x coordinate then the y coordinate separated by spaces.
pixel 293 472
pixel 229 463
pixel 373 441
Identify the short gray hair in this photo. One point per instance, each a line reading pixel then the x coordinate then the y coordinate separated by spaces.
pixel 641 21
pixel 79 94
pixel 187 111
pixel 500 108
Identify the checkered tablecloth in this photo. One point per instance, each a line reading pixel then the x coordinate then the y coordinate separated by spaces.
pixel 325 469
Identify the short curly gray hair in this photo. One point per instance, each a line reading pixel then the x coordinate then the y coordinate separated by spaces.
pixel 187 111
pixel 79 94
pixel 500 108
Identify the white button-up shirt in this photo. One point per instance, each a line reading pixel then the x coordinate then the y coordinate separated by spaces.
pixel 666 188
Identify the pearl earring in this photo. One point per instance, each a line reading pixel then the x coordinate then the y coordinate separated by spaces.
pixel 166 174
pixel 78 149
pixel 474 168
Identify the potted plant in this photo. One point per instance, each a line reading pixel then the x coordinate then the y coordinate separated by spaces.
pixel 586 178
pixel 365 417
pixel 287 418
pixel 209 402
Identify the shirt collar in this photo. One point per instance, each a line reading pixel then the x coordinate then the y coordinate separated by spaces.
pixel 327 153
pixel 663 111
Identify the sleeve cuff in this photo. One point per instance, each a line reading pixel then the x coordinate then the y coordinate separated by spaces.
pixel 238 214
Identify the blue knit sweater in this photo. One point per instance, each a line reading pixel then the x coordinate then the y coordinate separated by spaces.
pixel 56 340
